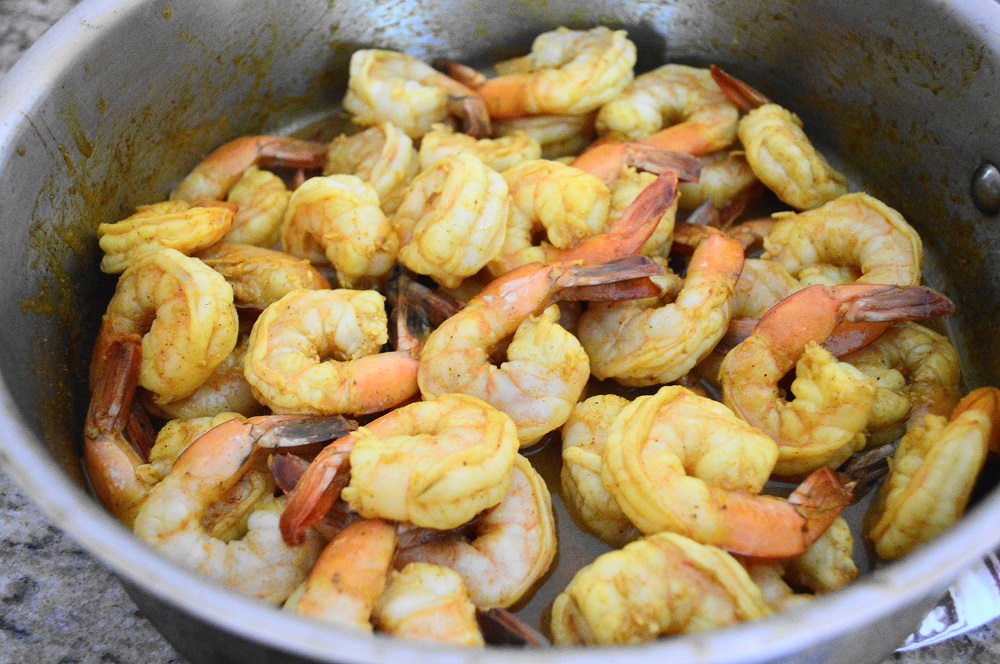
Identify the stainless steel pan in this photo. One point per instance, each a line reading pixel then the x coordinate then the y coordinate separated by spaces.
pixel 120 99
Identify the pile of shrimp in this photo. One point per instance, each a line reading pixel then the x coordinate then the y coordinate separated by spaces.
pixel 326 367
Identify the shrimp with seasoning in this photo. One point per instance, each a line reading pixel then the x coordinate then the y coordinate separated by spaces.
pixel 661 585
pixel 398 88
pixel 725 177
pixel 509 548
pixel 445 461
pixel 681 463
pixel 826 421
pixel 932 473
pixel 258 563
pixel 261 197
pixel 558 135
pixel 173 224
pixel 317 351
pixel 336 219
pixel 452 220
pixel 382 155
pixel 498 153
pixel 260 277
pixel 583 439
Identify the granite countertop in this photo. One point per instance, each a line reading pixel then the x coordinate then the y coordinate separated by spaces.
pixel 58 605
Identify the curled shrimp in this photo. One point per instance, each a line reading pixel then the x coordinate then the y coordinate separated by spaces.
pixel 260 277
pixel 258 563
pixel 644 342
pixel 624 191
pixel 452 219
pixel 337 219
pixel 566 203
pixel 508 549
pixel 214 177
pixel 826 422
pixel 262 198
pixel 546 369
pixel 395 87
pixel 725 176
pixel 557 135
pixel 762 284
pixel 828 564
pixel 583 439
pixel 382 155
pixel 571 72
pixel 661 585
pixel 917 373
pixel 854 230
pixel 173 224
pixel 499 154
pixel 681 463
pixel 285 362
pixel 932 474
pixel 184 312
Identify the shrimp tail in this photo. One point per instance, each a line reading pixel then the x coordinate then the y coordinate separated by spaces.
pixel 654 160
pixel 291 153
pixel 296 430
pixel 501 627
pixel 740 94
pixel 820 499
pixel 862 302
pixel 316 492
pixel 464 74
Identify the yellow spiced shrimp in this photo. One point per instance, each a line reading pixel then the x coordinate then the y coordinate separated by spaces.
pixel 932 473
pixel 337 219
pixel 624 191
pixel 260 277
pixel 248 556
pixel 569 72
pixel 546 368
pixel 827 420
pixel 557 135
pixel 762 284
pixel 854 230
pixel 184 312
pixel 583 438
pixel 498 153
pixel 778 150
pixel 828 564
pixel 725 176
pixel 566 203
pixel 661 585
pixel 504 552
pixel 317 351
pixel 214 177
pixel 261 197
pixel 433 463
pixel 681 463
pixel 452 220
pixel 917 372
pixel 382 155
pixel 646 342
pixel 398 88
pixel 173 224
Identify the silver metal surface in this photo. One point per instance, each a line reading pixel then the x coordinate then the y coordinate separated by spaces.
pixel 121 98
pixel 986 188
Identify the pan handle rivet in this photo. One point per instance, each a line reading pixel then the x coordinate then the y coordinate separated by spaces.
pixel 986 188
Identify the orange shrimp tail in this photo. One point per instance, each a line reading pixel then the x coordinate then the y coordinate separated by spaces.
pixel 820 499
pixel 504 96
pixel 686 138
pixel 656 160
pixel 115 375
pixel 316 491
pixel 876 303
pixel 850 336
pixel 464 74
pixel 603 159
pixel 474 114
pixel 740 94
pixel 291 153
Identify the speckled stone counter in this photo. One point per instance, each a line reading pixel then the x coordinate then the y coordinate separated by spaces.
pixel 58 605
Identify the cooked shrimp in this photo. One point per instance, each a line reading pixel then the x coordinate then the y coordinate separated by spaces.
pixel 258 564
pixel 546 368
pixel 337 219
pixel 566 203
pixel 433 463
pixel 173 438
pixel 828 564
pixel 645 342
pixel 625 189
pixel 511 546
pixel 214 177
pixel 185 314
pixel 917 373
pixel 557 135
pixel 571 72
pixel 499 154
pixel 317 351
pixel 262 198
pixel 173 224
pixel 932 474
pixel 854 230
pixel 583 438
pixel 395 87
pixel 381 155
pixel 762 284
pixel 779 152
pixel 452 220
pixel 428 603
pixel 661 585
pixel 260 277
pixel 681 463
pixel 725 176
pixel 826 422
